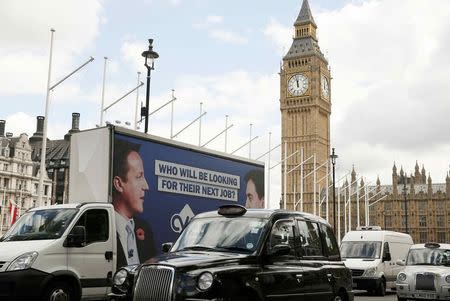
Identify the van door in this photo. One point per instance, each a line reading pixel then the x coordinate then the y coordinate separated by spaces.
pixel 93 262
pixel 387 263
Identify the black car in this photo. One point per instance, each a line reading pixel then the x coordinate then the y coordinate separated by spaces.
pixel 238 254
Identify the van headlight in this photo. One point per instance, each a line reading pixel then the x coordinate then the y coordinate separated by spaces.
pixel 120 276
pixel 401 277
pixel 370 272
pixel 205 281
pixel 23 262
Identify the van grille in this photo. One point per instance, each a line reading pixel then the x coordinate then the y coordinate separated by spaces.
pixel 357 273
pixel 154 283
pixel 425 282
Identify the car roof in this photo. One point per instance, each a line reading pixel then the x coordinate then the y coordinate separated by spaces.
pixel 268 214
pixel 366 235
pixel 441 246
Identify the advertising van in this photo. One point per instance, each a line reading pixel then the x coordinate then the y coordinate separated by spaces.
pixel 128 193
pixel 371 254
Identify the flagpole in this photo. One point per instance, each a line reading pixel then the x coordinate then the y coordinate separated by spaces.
pixel 42 168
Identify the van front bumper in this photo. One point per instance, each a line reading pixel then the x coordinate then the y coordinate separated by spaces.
pixel 23 284
pixel 366 283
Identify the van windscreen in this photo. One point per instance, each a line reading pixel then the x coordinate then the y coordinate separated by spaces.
pixel 361 249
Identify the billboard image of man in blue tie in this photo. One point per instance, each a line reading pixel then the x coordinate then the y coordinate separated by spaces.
pixel 134 236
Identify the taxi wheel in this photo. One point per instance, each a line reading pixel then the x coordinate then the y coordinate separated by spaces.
pixel 340 296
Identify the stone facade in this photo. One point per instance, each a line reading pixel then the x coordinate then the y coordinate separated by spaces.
pixel 305 104
pixel 412 204
pixel 19 170
pixel 19 178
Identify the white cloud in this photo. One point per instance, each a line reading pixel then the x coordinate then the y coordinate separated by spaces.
pixel 211 24
pixel 214 19
pixel 278 34
pixel 34 21
pixel 228 36
pixel 390 83
pixel 131 52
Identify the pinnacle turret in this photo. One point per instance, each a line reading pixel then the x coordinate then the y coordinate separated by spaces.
pixel 353 174
pixel 305 16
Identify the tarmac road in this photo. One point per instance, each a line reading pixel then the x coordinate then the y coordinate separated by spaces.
pixel 365 296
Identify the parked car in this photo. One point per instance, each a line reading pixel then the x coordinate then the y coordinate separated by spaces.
pixel 238 254
pixel 371 254
pixel 426 274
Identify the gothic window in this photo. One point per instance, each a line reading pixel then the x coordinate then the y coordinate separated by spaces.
pixel 403 221
pixel 388 207
pixel 5 167
pixel 440 221
pixel 423 236
pixel 422 205
pixel 422 220
pixel 440 205
pixel 388 221
pixel 441 236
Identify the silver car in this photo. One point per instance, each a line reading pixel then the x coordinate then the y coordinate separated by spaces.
pixel 426 274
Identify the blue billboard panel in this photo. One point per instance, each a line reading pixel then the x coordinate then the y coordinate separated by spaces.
pixel 157 188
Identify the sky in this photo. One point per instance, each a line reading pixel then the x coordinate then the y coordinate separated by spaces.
pixel 389 62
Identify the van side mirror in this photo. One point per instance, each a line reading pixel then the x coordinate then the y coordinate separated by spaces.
pixel 387 257
pixel 400 262
pixel 76 238
pixel 166 247
pixel 280 250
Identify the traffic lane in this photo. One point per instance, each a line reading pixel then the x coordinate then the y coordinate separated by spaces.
pixel 365 296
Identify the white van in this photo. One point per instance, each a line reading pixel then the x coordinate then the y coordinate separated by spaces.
pixel 59 252
pixel 371 254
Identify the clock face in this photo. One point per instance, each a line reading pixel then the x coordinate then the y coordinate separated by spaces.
pixel 298 84
pixel 325 86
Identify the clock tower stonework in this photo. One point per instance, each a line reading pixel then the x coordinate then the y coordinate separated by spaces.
pixel 305 104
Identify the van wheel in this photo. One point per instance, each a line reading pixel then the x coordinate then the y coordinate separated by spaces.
pixel 60 291
pixel 381 290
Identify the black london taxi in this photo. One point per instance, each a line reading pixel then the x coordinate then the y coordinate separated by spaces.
pixel 236 254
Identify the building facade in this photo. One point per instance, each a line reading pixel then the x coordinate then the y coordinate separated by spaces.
pixel 305 104
pixel 19 178
pixel 19 170
pixel 412 204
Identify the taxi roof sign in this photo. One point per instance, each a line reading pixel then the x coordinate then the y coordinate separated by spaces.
pixel 231 210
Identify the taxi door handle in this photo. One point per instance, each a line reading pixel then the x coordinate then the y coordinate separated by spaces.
pixel 330 277
pixel 299 277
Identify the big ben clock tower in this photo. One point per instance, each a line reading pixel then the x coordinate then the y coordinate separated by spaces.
pixel 305 104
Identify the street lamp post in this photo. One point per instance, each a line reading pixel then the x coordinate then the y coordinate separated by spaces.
pixel 333 158
pixel 150 57
pixel 406 204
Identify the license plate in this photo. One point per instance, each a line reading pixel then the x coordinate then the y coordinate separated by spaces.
pixel 426 296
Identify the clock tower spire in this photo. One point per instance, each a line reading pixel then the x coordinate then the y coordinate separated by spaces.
pixel 305 105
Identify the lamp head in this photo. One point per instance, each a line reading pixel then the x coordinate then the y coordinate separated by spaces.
pixel 333 157
pixel 150 55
